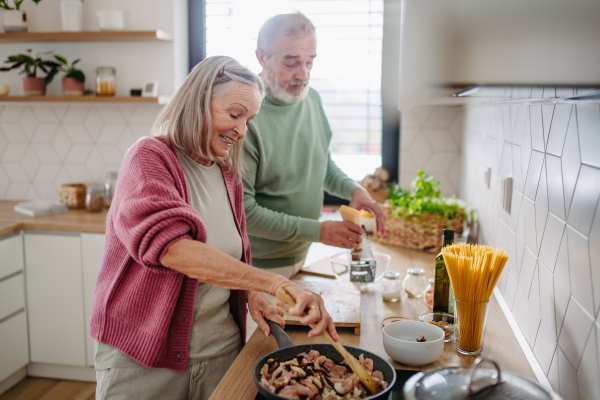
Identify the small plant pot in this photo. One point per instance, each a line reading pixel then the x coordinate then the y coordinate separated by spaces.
pixel 34 86
pixel 15 21
pixel 72 87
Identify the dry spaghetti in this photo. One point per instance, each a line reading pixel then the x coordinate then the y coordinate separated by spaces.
pixel 474 271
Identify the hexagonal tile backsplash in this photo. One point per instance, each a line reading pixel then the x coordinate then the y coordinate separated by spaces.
pixel 44 145
pixel 554 160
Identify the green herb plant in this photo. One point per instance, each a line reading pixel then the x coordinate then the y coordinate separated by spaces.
pixel 70 71
pixel 30 65
pixel 423 197
pixel 17 4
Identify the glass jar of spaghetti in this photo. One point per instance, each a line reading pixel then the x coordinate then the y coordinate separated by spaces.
pixel 106 81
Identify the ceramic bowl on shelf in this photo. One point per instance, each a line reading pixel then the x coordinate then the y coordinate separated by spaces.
pixel 401 342
pixel 441 319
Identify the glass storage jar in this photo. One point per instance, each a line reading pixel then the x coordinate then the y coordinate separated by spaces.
pixel 415 282
pixel 94 199
pixel 429 293
pixel 392 286
pixel 106 81
pixel 109 187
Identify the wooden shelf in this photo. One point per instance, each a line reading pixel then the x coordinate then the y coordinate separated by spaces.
pixel 81 99
pixel 86 36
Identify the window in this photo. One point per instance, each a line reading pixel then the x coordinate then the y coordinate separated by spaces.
pixel 347 71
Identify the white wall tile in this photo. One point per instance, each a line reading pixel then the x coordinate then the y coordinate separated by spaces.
pixel 44 113
pixel 60 110
pixel 594 245
pixel 510 291
pixel 93 123
pixel 441 139
pixel 567 376
pixel 537 128
pixel 547 120
pixel 407 136
pixel 128 109
pixel 11 113
pixel 15 172
pixel 511 250
pixel 541 208
pixel 588 373
pixel 30 162
pixel 551 241
pixel 63 177
pixel 421 150
pixel 556 199
pixel 527 272
pixel 140 130
pixel 575 332
pixel 520 120
pixel 110 154
pixel 75 113
pixel 47 191
pixel 562 283
pixel 558 132
pixel 440 162
pixel 528 211
pixel 110 113
pixel 520 311
pixel 47 173
pixel 45 153
pixel 544 348
pixel 409 120
pixel 521 237
pixel 588 119
pixel 45 132
pixel 28 122
pixel 585 198
pixel 547 309
pixel 146 113
pixel 4 181
pixel 17 190
pixel 61 143
pixel 553 372
pixel 571 162
pixel 13 132
pixel 110 134
pixel 95 165
pixel 526 144
pixel 78 153
pixel 535 316
pixel 515 210
pixel 14 152
pixel 77 133
pixel 533 174
pixel 517 168
pixel 579 265
pixel 441 117
pixel 78 173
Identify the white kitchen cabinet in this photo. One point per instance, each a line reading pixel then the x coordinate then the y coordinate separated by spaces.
pixel 11 255
pixel 12 295
pixel 54 298
pixel 14 352
pixel 92 247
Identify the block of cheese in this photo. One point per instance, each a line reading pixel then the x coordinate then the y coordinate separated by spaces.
pixel 350 214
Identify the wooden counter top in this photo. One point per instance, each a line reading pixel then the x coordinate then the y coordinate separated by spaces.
pixel 73 221
pixel 500 342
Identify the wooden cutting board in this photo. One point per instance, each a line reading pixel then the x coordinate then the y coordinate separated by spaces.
pixel 342 301
pixel 321 268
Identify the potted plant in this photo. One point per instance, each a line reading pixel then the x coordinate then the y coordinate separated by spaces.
pixel 32 85
pixel 74 78
pixel 15 20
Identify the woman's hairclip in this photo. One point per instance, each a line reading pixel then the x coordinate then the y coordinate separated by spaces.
pixel 221 73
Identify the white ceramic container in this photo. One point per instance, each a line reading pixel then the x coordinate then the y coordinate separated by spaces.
pixel 15 21
pixel 71 12
pixel 400 342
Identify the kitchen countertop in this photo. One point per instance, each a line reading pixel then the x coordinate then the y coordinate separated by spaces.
pixel 73 221
pixel 500 342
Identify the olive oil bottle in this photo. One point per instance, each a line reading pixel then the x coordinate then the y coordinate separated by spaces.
pixel 443 295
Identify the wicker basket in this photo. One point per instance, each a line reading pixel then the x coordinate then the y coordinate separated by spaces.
pixel 418 233
pixel 73 195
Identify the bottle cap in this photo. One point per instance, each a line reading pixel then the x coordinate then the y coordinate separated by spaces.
pixel 391 275
pixel 449 234
pixel 416 271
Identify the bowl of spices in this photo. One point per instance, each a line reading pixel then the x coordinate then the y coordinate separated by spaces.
pixel 442 320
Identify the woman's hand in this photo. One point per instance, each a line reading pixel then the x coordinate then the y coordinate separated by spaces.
pixel 362 201
pixel 318 318
pixel 261 309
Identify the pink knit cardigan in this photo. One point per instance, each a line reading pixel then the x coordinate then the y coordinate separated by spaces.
pixel 140 307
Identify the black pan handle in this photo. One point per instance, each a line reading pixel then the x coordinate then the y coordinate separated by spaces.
pixel 283 340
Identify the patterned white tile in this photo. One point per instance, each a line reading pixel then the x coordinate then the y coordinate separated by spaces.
pixel 553 372
pixel 541 208
pixel 11 113
pixel 408 165
pixel 15 172
pixel 594 243
pixel 146 113
pixel 521 313
pixel 32 193
pixel 128 109
pixel 94 123
pixel 510 291
pixel 421 150
pixel 588 372
pixel 13 132
pixel 544 348
pixel 17 191
pixel 576 329
pixel 47 173
pixel 519 125
pixel 110 113
pixel 556 199
pixel 44 113
pixel 78 173
pixel 558 132
pixel 567 376
pixel 61 143
pixel 14 152
pixel 441 139
pixel 78 153
pixel 3 143
pixel 551 241
pixel 527 272
pixel 45 153
pixel 128 139
pixel 60 110
pixel 528 209
pixel 76 113
pixel 535 316
pixel 407 136
pixel 28 122
pixel 4 181
pixel 526 145
pixel 547 309
pixel 585 198
pixel 30 162
pixel 516 202
pixel 517 168
pixel 77 133
pixel 442 117
pixel 579 265
pixel 420 114
pixel 440 162
pixel 45 132
pixel 571 162
pixel 47 191
pixel 110 154
pixel 409 120
pixel 520 238
pixel 533 174
pixel 95 165
pixel 511 250
pixel 63 177
pixel 547 120
pixel 457 127
pixel 110 134
pixel 562 283
pixel 537 128
pixel 549 92
pixel 140 130
pixel 588 120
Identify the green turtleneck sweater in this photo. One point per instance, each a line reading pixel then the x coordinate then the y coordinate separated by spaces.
pixel 286 152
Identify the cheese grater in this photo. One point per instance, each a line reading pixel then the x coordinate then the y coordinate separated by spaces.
pixel 362 262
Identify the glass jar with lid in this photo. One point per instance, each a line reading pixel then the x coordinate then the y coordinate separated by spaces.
pixel 109 187
pixel 391 286
pixel 415 282
pixel 429 293
pixel 94 199
pixel 106 81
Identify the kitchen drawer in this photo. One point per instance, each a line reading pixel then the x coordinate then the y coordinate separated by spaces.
pixel 12 295
pixel 14 349
pixel 11 254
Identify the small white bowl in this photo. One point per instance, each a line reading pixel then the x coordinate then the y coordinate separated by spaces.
pixel 400 342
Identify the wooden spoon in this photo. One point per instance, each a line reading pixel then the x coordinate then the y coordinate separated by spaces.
pixel 363 375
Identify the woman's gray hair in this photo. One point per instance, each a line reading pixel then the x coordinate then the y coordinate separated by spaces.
pixel 185 122
pixel 288 25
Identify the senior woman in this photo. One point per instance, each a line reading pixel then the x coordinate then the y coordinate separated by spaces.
pixel 169 309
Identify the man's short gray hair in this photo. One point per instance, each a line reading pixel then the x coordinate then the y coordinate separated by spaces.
pixel 288 25
pixel 186 122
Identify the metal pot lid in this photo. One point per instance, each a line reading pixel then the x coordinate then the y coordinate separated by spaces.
pixel 474 383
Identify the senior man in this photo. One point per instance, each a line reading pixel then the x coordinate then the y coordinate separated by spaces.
pixel 286 152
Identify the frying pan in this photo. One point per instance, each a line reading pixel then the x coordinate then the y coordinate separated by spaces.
pixel 287 349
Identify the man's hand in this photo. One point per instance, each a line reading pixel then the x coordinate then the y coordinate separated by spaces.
pixel 261 309
pixel 362 201
pixel 341 234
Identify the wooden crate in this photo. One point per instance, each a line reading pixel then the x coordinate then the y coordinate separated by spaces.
pixel 422 232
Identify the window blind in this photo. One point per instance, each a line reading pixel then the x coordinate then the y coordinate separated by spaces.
pixel 346 72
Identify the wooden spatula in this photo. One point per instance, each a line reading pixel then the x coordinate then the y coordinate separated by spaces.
pixel 363 376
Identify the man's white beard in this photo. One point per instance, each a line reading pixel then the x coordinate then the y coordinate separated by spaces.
pixel 280 93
